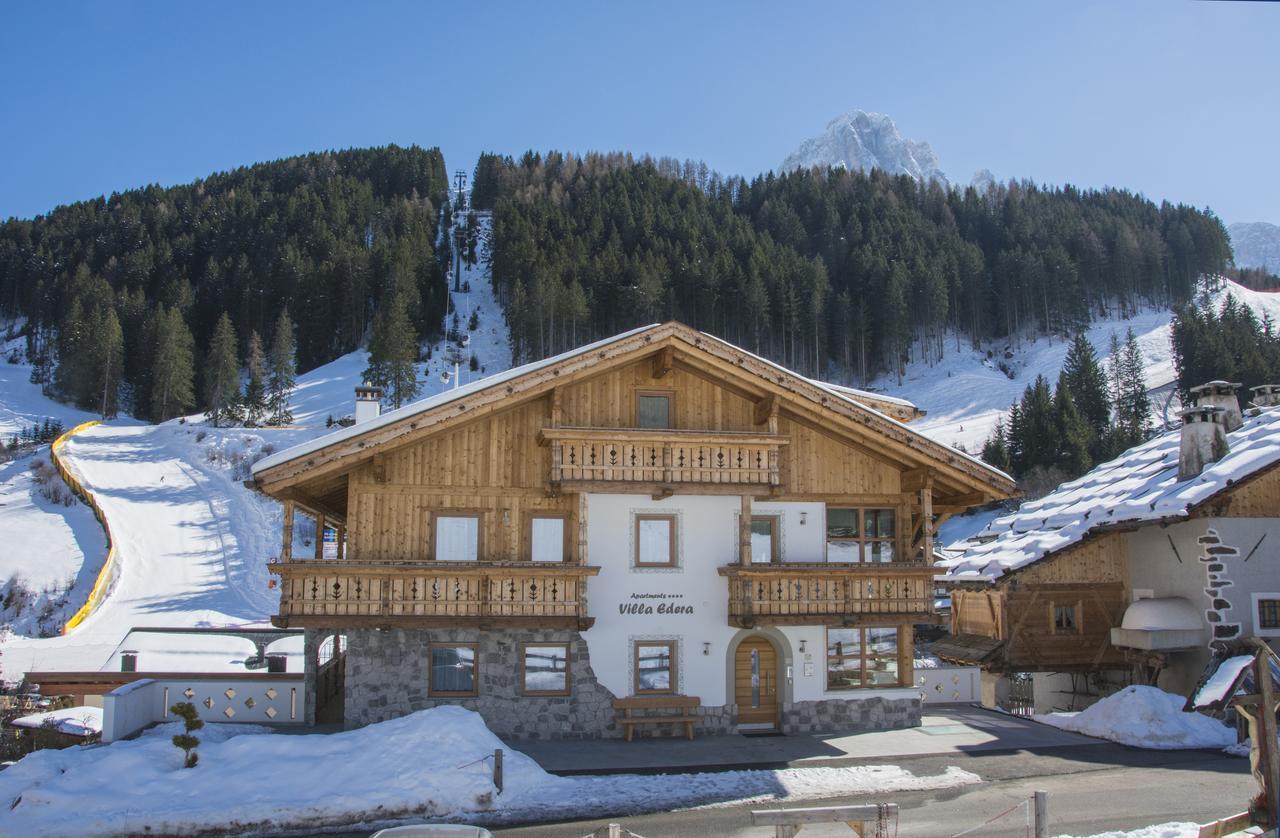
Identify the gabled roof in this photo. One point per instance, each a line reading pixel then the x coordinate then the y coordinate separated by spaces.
pixel 1139 486
pixel 843 403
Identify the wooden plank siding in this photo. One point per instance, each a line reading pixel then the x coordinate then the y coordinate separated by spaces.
pixel 1032 644
pixel 1255 497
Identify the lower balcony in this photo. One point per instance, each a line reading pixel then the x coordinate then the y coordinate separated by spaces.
pixel 337 594
pixel 830 594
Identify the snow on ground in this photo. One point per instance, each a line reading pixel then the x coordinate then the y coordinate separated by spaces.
pixel 431 764
pixel 967 393
pixel 1176 829
pixel 21 402
pixel 1145 717
pixel 76 721
pixel 53 550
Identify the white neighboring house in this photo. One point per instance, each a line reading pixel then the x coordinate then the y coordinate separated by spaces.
pixel 1138 567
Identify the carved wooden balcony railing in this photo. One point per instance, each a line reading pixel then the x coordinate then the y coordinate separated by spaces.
pixel 334 594
pixel 830 594
pixel 663 457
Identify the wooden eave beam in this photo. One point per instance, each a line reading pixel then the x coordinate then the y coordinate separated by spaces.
pixel 765 409
pixel 663 361
pixel 315 507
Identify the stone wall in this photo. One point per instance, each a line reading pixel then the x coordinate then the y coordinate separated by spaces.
pixel 386 678
pixel 856 716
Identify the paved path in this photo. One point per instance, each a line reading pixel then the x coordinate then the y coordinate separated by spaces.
pixel 959 730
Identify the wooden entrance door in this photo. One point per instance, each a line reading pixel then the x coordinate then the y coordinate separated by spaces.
pixel 756 682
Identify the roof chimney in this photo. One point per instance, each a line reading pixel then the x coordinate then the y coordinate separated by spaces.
pixel 1204 439
pixel 1220 394
pixel 1266 395
pixel 368 402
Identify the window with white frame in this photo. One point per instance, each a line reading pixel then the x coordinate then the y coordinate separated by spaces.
pixel 1266 614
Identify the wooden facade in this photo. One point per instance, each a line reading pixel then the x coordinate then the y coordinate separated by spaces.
pixel 1087 580
pixel 537 444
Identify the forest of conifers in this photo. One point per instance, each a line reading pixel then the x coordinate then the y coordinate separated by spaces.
pixel 840 274
pixel 833 273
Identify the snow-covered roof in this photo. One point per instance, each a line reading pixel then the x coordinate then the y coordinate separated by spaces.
pixel 76 721
pixel 1139 486
pixel 841 392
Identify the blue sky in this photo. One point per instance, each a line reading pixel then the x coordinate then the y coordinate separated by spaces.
pixel 1177 100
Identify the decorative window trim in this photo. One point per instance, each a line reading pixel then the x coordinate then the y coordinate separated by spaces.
pixel 568 669
pixel 675 565
pixel 533 514
pixel 669 395
pixel 433 517
pixel 1258 628
pixel 905 676
pixel 475 671
pixel 673 645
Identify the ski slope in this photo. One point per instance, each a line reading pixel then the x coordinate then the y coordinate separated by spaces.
pixel 966 393
pixel 192 543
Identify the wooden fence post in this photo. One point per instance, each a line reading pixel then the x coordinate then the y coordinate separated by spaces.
pixel 1042 814
pixel 497 769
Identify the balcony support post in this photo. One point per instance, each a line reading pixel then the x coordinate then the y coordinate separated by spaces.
pixel 319 536
pixel 286 548
pixel 341 535
pixel 744 532
pixel 926 519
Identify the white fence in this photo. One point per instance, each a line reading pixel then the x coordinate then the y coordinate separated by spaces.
pixel 950 685
pixel 270 700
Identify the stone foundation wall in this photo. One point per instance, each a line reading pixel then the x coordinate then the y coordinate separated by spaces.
pixel 856 716
pixel 386 678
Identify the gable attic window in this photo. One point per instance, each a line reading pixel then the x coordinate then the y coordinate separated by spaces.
pixel 1064 618
pixel 653 409
pixel 457 537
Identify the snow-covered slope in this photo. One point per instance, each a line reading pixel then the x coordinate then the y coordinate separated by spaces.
pixel 861 140
pixel 967 392
pixel 192 543
pixel 1256 244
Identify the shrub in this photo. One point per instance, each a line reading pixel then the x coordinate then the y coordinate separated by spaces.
pixel 191 721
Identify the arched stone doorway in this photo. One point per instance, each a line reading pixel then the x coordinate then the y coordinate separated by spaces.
pixel 757 664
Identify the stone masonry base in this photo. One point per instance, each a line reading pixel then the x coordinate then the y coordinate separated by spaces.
pixel 386 678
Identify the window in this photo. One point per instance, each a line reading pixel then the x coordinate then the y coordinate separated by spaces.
pixel 452 670
pixel 764 539
pixel 655 662
pixel 457 537
pixel 653 410
pixel 1065 619
pixel 655 541
pixel 861 658
pixel 548 537
pixel 544 669
pixel 1266 614
pixel 861 535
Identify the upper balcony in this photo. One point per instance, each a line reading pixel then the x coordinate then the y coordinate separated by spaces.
pixel 790 594
pixel 337 593
pixel 631 459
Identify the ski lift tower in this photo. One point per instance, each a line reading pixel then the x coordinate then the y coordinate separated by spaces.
pixel 460 179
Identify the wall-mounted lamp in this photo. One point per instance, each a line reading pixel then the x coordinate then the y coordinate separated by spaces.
pixel 804 517
pixel 706 648
pixel 802 647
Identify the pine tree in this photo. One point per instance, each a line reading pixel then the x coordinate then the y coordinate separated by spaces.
pixel 283 371
pixel 393 351
pixel 110 359
pixel 172 390
pixel 1072 432
pixel 222 374
pixel 1085 380
pixel 995 451
pixel 1133 404
pixel 254 401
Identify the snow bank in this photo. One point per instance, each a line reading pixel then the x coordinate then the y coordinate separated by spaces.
pixel 1178 829
pixel 431 764
pixel 76 721
pixel 1145 717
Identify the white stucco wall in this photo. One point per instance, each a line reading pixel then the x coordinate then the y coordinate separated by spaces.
pixel 1165 561
pixel 707 533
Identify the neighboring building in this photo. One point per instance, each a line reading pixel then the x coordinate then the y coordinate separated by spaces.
pixel 743 534
pixel 1134 569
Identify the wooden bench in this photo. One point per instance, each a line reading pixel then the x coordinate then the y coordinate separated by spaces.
pixel 657 710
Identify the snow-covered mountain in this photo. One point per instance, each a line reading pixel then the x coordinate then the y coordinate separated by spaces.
pixel 861 140
pixel 1256 245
